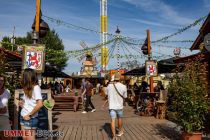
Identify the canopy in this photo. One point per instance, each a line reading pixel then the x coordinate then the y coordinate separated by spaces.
pixel 164 66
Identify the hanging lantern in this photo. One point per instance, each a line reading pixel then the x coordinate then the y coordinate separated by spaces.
pixel 144 49
pixel 42 29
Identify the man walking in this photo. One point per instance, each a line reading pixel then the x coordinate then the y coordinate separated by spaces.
pixel 116 91
pixel 89 90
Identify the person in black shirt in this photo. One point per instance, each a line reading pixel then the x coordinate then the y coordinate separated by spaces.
pixel 144 88
pixel 89 90
pixel 158 88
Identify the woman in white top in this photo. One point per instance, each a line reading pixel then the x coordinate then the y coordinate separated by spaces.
pixel 4 113
pixel 31 103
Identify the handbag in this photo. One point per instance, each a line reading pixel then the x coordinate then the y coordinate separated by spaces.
pixel 124 99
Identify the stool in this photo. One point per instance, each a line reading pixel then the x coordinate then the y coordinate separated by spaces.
pixel 161 109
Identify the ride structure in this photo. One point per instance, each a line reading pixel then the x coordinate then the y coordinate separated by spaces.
pixel 103 34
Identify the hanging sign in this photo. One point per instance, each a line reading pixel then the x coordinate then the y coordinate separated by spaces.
pixel 34 57
pixel 151 68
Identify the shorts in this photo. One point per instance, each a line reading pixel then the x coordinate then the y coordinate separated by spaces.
pixel 30 124
pixel 116 113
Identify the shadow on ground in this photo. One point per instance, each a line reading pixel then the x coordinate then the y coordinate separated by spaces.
pixel 107 128
pixel 167 131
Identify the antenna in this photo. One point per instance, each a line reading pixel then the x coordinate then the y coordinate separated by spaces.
pixel 13 37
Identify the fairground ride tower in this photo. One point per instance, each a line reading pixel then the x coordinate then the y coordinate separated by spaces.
pixel 103 35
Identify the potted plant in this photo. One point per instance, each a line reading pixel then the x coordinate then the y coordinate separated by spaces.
pixel 188 92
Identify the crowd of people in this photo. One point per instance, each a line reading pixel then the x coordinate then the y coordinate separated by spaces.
pixel 31 102
pixel 56 87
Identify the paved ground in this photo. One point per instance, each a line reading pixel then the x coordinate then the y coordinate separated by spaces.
pixel 96 126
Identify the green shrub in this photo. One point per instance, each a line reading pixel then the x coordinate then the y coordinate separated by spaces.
pixel 188 91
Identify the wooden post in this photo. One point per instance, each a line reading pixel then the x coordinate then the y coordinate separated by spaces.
pixel 37 22
pixel 149 58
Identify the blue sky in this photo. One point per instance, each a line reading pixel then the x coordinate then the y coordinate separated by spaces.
pixel 162 17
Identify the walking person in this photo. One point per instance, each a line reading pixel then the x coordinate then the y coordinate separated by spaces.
pixel 31 103
pixel 89 90
pixel 116 91
pixel 4 112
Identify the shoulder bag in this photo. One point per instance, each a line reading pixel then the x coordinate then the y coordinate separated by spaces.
pixel 124 99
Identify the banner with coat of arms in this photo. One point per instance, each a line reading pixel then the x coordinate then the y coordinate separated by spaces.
pixel 34 57
pixel 151 68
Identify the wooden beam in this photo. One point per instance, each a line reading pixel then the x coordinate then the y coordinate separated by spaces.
pixel 37 23
pixel 149 57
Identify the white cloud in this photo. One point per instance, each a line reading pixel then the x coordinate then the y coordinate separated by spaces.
pixel 152 23
pixel 162 9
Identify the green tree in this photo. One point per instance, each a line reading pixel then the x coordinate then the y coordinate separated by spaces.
pixel 24 40
pixel 7 44
pixel 3 64
pixel 55 54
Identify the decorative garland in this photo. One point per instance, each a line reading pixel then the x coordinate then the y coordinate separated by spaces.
pixel 180 30
pixel 163 39
pixel 70 25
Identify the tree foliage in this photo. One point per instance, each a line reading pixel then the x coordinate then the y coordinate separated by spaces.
pixel 5 69
pixel 188 92
pixel 7 44
pixel 53 42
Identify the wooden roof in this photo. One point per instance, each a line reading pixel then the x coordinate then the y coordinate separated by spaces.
pixel 205 28
pixel 206 56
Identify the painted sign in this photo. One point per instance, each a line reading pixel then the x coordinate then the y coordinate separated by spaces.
pixel 151 68
pixel 33 57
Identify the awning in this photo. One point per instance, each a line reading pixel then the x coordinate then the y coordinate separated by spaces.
pixel 164 66
pixel 50 71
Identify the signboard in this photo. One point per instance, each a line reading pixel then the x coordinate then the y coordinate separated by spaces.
pixel 34 57
pixel 151 68
pixel 44 115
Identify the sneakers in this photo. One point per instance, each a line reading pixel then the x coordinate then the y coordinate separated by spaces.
pixel 93 110
pixel 120 134
pixel 84 112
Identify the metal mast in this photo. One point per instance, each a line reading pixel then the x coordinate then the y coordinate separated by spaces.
pixel 103 36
